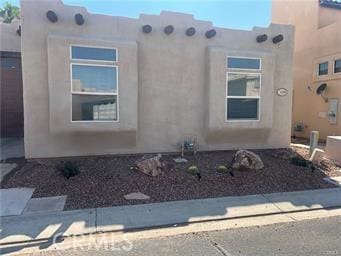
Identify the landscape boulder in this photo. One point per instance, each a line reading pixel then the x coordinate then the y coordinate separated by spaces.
pixel 285 154
pixel 245 160
pixel 150 166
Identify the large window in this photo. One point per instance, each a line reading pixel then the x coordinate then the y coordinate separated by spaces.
pixel 243 89
pixel 337 66
pixel 94 85
pixel 322 69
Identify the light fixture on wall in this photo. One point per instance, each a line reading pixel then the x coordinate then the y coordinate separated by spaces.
pixel 321 90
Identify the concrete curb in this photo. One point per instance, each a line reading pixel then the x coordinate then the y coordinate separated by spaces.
pixel 32 228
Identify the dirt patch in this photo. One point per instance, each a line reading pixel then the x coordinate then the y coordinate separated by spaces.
pixel 104 180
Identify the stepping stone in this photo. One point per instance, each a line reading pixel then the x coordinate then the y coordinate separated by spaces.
pixel 333 180
pixel 45 204
pixel 180 160
pixel 136 196
pixel 14 200
pixel 5 169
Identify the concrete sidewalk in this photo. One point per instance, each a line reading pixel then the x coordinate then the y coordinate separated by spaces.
pixel 34 227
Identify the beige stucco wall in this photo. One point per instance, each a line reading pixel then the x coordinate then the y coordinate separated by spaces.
pixel 317 39
pixel 170 86
pixel 9 39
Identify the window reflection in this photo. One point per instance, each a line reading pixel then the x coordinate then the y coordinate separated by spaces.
pixel 94 79
pixel 94 107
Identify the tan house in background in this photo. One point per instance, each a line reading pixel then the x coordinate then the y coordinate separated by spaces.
pixel 317 61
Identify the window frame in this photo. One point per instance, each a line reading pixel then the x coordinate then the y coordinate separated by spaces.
pixel 95 63
pixel 318 68
pixel 247 72
pixel 91 46
pixel 334 62
pixel 243 57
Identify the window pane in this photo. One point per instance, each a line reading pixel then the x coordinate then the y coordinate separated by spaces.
pixel 243 84
pixel 243 63
pixel 88 53
pixel 337 66
pixel 94 79
pixel 8 63
pixel 242 109
pixel 323 68
pixel 94 107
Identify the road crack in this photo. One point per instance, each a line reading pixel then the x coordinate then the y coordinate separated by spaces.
pixel 216 246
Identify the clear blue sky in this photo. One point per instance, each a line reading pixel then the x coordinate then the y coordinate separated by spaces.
pixel 240 14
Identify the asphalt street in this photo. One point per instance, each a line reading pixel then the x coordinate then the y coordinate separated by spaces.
pixel 313 237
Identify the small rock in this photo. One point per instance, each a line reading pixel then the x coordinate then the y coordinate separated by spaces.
pixel 180 160
pixel 245 160
pixel 285 154
pixel 136 196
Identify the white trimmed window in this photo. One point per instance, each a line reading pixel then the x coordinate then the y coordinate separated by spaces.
pixel 337 66
pixel 322 69
pixel 94 84
pixel 243 85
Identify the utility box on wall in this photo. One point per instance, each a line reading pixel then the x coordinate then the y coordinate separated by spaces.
pixel 333 110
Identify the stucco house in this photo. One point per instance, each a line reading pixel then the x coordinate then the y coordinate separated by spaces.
pixel 97 84
pixel 317 61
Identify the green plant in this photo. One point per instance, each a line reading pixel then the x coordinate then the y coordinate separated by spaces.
pixel 193 170
pixel 9 12
pixel 222 169
pixel 299 161
pixel 69 169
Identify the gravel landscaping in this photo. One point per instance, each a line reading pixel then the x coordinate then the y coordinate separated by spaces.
pixel 104 180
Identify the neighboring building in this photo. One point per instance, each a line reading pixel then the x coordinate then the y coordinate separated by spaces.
pixel 113 85
pixel 317 61
pixel 12 113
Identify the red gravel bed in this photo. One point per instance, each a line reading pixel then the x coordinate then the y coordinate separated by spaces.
pixel 104 180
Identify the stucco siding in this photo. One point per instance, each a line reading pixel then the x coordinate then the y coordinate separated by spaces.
pixel 170 86
pixel 317 40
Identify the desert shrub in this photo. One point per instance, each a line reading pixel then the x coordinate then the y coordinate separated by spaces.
pixel 299 161
pixel 222 169
pixel 193 170
pixel 69 169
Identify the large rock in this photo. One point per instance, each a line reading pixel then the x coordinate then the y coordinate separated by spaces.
pixel 245 160
pixel 150 166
